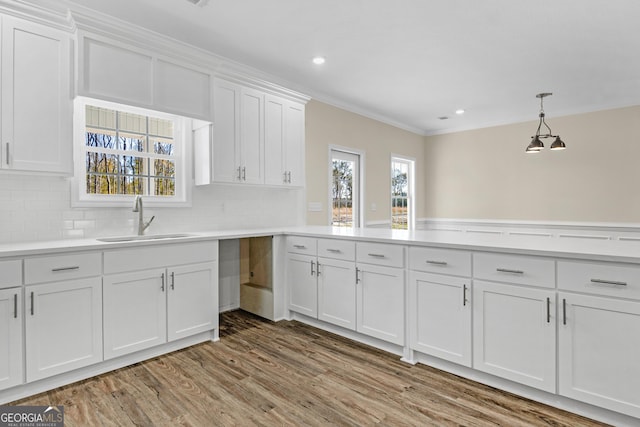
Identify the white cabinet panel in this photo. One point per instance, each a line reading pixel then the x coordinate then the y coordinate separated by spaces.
pixel 517 269
pixel 337 292
pixel 303 285
pixel 135 312
pixel 294 141
pixel 440 316
pixel 11 365
pixel 184 90
pixel 116 73
pixel 440 261
pixel 251 146
pixel 274 132
pixel 380 302
pixel 600 278
pixel 599 352
pixel 10 273
pixel 226 130
pixel 36 88
pixel 63 326
pixel 380 254
pixel 192 303
pixel 515 333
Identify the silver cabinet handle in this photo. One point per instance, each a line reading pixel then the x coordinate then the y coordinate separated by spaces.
pixel 15 306
pixel 300 246
pixel 508 270
pixel 443 263
pixel 377 255
pixel 239 175
pixel 173 280
pixel 312 266
pixel 162 279
pixel 289 177
pixel 564 311
pixel 75 267
pixel 464 295
pixel 318 268
pixel 608 282
pixel 357 275
pixel 285 177
pixel 244 173
pixel 548 310
pixel 7 159
pixel 334 251
pixel 32 303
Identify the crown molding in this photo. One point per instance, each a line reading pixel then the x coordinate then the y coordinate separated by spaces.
pixel 40 14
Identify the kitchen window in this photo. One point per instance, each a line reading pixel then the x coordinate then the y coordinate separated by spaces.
pixel 402 193
pixel 122 152
pixel 345 173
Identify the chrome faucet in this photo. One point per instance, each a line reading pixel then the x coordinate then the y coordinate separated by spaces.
pixel 137 207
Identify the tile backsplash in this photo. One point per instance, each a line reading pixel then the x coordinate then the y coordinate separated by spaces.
pixel 34 208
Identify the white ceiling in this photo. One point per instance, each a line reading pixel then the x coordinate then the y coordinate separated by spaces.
pixel 408 62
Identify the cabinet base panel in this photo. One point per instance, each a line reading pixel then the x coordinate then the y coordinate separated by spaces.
pixel 30 389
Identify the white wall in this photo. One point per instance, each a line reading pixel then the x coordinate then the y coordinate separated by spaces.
pixel 39 208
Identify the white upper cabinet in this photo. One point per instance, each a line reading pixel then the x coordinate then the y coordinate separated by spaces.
pixel 36 98
pixel 294 143
pixel 120 73
pixel 284 142
pixel 250 151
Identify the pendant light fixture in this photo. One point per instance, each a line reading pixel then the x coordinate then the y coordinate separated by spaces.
pixel 536 144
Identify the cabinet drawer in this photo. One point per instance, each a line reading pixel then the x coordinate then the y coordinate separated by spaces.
pixel 521 270
pixel 380 254
pixel 301 245
pixel 338 249
pixel 608 279
pixel 10 273
pixel 159 256
pixel 62 267
pixel 442 261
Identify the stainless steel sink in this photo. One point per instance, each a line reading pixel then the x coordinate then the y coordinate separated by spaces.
pixel 138 238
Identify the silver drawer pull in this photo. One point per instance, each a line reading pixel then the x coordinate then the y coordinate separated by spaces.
pixel 507 270
pixel 75 267
pixel 608 282
pixel 436 262
pixel 377 255
pixel 300 246
pixel 335 251
pixel 15 306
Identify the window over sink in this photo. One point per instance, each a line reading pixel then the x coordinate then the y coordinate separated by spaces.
pixel 123 151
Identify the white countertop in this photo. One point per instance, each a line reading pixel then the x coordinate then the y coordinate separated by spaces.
pixel 575 247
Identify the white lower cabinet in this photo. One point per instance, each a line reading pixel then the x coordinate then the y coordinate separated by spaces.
pixel 440 316
pixel 303 285
pixel 514 332
pixel 380 302
pixel 11 365
pixel 337 292
pixel 598 351
pixel 63 326
pixel 144 309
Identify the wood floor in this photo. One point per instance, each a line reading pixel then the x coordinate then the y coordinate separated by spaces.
pixel 289 374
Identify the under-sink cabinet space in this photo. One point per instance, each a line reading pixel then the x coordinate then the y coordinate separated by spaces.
pixel 10 273
pixel 514 333
pixel 53 268
pixel 516 269
pixel 600 278
pixel 440 261
pixel 158 294
pixel 256 276
pixel 598 351
pixel 11 356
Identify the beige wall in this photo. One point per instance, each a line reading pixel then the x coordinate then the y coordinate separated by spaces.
pixel 327 125
pixel 485 174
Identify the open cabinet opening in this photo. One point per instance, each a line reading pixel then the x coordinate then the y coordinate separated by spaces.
pixel 256 276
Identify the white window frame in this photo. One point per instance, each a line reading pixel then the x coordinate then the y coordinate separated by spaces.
pixel 360 187
pixel 184 166
pixel 411 184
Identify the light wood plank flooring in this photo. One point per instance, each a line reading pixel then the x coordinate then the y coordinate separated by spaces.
pixel 288 374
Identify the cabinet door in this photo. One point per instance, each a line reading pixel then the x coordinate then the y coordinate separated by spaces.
pixel 440 316
pixel 302 283
pixel 599 352
pixel 36 97
pixel 192 300
pixel 63 325
pixel 515 333
pixel 226 129
pixel 274 128
pixel 10 337
pixel 380 302
pixel 294 144
pixel 252 136
pixel 135 311
pixel 337 292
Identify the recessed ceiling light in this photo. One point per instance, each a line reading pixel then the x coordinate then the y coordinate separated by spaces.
pixel 460 111
pixel 318 60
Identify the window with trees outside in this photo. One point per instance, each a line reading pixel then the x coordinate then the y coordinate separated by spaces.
pixel 402 216
pixel 122 152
